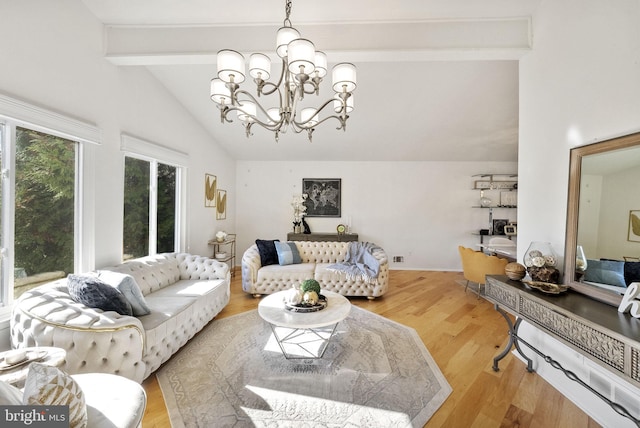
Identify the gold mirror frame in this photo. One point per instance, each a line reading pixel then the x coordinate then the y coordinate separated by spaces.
pixel 575 170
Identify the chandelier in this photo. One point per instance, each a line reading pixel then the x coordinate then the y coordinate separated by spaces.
pixel 303 68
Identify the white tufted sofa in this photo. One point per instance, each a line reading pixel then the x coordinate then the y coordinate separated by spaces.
pixel 183 291
pixel 316 257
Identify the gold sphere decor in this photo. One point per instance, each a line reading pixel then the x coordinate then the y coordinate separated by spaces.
pixel 515 271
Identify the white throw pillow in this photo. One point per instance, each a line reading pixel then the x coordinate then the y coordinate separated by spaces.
pixel 129 288
pixel 49 386
pixel 9 395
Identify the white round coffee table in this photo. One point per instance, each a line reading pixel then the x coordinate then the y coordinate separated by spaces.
pixel 303 334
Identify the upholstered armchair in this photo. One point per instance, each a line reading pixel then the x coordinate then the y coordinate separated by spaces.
pixel 476 265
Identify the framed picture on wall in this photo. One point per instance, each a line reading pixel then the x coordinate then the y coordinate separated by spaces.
pixel 510 230
pixel 221 204
pixel 498 226
pixel 210 185
pixel 324 196
pixel 634 226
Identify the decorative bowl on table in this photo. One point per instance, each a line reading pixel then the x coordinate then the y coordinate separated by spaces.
pixel 221 255
pixel 305 298
pixel 319 305
pixel 547 287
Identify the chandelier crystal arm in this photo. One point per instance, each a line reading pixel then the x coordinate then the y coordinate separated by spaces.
pixel 270 127
pixel 311 123
pixel 315 86
pixel 262 84
pixel 343 123
pixel 252 98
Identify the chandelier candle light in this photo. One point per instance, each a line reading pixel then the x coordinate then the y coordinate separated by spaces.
pixel 303 68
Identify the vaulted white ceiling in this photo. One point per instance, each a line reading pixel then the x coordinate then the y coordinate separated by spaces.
pixel 437 79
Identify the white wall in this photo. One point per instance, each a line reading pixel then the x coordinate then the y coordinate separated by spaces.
pixel 53 56
pixel 579 84
pixel 419 210
pixel 589 220
pixel 618 198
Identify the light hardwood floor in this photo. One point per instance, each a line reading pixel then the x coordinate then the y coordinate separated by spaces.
pixel 463 334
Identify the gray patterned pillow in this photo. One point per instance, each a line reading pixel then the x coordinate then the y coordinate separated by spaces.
pixel 91 291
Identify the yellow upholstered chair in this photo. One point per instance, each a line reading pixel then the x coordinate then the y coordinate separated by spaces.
pixel 476 265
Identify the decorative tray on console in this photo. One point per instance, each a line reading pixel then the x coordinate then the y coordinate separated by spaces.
pixel 546 287
pixel 302 307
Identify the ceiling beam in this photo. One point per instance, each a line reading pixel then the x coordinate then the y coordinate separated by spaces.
pixel 484 39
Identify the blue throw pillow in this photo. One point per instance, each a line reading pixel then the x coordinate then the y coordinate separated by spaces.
pixel 267 250
pixel 94 293
pixel 288 253
pixel 605 272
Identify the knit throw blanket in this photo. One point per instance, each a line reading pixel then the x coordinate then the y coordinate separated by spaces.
pixel 359 262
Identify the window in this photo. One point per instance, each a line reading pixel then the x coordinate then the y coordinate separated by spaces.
pixel 151 199
pixel 40 232
pixel 166 233
pixel 38 208
pixel 137 175
pixel 45 172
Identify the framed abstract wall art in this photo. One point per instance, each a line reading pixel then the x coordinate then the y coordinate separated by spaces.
pixel 210 185
pixel 221 204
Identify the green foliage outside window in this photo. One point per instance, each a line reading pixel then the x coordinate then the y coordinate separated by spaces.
pixel 44 202
pixel 166 208
pixel 136 208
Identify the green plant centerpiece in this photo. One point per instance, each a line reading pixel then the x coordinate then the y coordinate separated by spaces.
pixel 305 298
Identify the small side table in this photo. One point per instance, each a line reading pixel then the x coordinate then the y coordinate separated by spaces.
pixel 229 244
pixel 17 375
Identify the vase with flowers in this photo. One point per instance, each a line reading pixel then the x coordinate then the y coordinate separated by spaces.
pixel 299 210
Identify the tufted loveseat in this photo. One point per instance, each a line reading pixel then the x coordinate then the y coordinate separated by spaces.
pixel 316 257
pixel 184 292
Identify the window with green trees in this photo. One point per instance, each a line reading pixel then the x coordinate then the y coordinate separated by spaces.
pixel 149 207
pixel 42 227
pixel 45 176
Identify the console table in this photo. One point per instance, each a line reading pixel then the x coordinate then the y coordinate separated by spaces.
pixel 345 237
pixel 594 329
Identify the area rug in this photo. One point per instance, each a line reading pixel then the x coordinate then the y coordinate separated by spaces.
pixel 374 373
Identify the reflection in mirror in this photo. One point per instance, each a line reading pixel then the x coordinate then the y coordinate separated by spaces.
pixel 603 218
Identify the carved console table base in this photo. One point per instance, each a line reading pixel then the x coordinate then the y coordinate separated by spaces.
pixel 513 341
pixel 563 317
